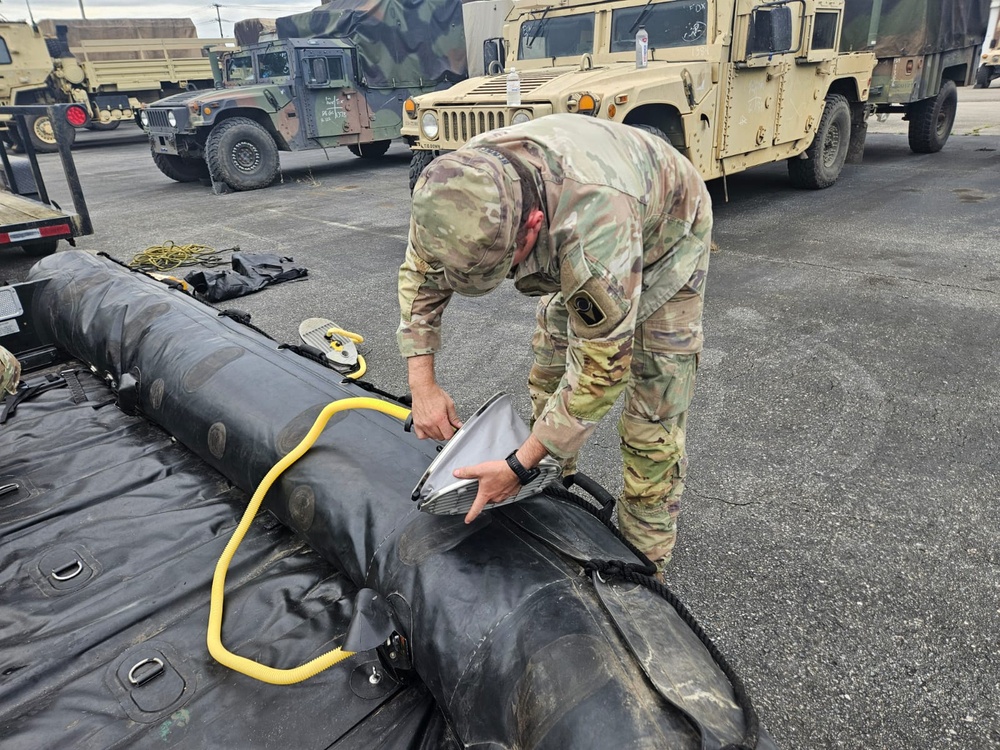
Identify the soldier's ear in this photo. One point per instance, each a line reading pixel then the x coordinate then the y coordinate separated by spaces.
pixel 535 219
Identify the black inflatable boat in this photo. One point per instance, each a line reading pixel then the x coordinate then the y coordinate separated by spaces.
pixel 123 474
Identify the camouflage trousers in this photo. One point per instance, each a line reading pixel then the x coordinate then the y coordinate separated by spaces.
pixel 652 424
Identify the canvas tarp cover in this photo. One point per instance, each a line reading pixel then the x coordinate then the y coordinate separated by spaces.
pixel 400 43
pixel 914 27
pixel 79 30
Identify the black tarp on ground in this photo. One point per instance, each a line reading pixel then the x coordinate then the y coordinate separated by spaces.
pixel 147 521
pixel 518 647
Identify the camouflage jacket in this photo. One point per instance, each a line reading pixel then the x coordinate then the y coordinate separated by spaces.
pixel 628 223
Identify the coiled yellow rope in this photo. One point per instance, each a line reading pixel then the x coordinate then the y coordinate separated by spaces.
pixel 169 256
pixel 219 652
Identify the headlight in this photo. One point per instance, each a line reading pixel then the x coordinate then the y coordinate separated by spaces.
pixel 144 118
pixel 429 125
pixel 520 117
pixel 172 119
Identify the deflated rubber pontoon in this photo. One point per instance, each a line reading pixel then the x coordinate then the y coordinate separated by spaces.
pixel 517 624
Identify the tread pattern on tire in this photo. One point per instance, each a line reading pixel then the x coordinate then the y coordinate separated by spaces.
pixel 922 133
pixel 418 163
pixel 179 169
pixel 809 172
pixel 217 167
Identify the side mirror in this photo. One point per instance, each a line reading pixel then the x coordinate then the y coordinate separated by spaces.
pixel 494 51
pixel 770 31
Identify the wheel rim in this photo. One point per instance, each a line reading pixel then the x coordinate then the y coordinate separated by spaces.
pixel 942 126
pixel 831 146
pixel 246 156
pixel 43 130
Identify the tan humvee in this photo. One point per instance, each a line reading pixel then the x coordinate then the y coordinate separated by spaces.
pixel 731 83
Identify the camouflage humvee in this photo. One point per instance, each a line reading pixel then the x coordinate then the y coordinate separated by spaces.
pixel 925 51
pixel 335 76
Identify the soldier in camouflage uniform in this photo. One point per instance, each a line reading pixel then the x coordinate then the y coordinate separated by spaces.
pixel 611 227
pixel 10 372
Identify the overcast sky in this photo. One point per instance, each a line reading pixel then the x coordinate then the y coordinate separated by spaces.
pixel 202 13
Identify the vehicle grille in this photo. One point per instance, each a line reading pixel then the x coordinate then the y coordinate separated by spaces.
pixel 158 118
pixel 459 126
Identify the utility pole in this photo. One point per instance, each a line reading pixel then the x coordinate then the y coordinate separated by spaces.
pixel 218 16
pixel 83 13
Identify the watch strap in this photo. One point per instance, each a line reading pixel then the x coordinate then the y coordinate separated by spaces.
pixel 523 475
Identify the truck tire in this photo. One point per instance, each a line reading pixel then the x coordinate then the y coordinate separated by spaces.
pixel 242 154
pixel 826 155
pixel 931 120
pixel 418 163
pixel 181 169
pixel 652 130
pixel 983 77
pixel 40 248
pixel 372 150
pixel 101 127
pixel 42 135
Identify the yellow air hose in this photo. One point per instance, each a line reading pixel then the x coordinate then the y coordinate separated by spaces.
pixel 219 652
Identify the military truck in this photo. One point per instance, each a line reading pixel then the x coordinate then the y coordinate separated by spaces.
pixel 925 50
pixel 989 64
pixel 109 77
pixel 731 83
pixel 335 76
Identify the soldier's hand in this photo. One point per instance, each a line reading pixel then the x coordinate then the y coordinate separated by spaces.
pixel 496 482
pixel 434 414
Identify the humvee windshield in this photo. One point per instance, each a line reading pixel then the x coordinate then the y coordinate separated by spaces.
pixel 239 69
pixel 273 65
pixel 563 36
pixel 676 24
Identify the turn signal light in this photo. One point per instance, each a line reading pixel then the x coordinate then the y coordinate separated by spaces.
pixel 587 105
pixel 410 107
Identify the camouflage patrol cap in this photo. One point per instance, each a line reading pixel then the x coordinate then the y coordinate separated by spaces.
pixel 10 372
pixel 466 211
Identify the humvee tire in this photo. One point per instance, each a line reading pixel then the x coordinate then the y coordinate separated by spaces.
pixel 652 130
pixel 100 127
pixel 418 163
pixel 181 169
pixel 826 155
pixel 983 77
pixel 931 120
pixel 242 154
pixel 39 248
pixel 372 150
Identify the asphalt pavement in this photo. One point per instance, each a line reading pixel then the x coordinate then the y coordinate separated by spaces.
pixel 839 532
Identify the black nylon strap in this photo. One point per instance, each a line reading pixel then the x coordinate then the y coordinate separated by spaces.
pixel 75 386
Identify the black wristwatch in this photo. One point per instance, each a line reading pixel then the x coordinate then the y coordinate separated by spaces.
pixel 523 475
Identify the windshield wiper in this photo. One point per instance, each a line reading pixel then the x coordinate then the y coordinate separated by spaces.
pixel 540 24
pixel 641 18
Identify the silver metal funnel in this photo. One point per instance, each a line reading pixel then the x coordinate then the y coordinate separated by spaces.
pixel 488 435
